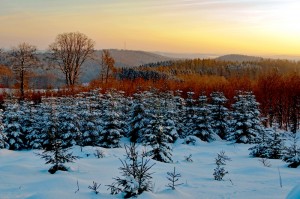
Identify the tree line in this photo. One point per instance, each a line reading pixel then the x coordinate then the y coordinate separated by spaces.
pixel 68 52
pixel 152 118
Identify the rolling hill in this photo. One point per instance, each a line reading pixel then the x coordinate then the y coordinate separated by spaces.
pixel 238 58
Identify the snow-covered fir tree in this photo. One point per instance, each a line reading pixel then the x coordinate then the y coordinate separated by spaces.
pixel 56 152
pixel 219 171
pixel 270 145
pixel 136 177
pixel 3 143
pixel 276 145
pixel 90 132
pixel 201 126
pixel 179 112
pixel 291 154
pixel 262 146
pixel 124 107
pixel 68 122
pixel 189 113
pixel 29 123
pixel 245 125
pixel 137 119
pixel 112 125
pixel 155 137
pixel 12 127
pixel 167 110
pixel 219 114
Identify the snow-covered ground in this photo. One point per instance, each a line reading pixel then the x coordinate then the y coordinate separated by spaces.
pixel 24 175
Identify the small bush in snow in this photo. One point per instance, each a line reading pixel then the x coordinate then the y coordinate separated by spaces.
pixel 136 176
pixel 173 177
pixel 188 158
pixel 265 162
pixel 99 153
pixel 95 187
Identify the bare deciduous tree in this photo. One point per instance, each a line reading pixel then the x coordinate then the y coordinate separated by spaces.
pixel 22 59
pixel 69 52
pixel 107 64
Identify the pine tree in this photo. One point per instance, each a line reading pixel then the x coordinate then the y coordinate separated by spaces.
pixel 219 171
pixel 137 119
pixel 201 126
pixel 56 152
pixel 179 114
pixel 136 176
pixel 189 113
pixel 44 115
pixel 245 123
pixel 158 141
pixel 13 129
pixel 3 143
pixel 68 123
pixel 276 145
pixel 261 148
pixel 29 124
pixel 112 131
pixel 166 109
pixel 219 114
pixel 291 154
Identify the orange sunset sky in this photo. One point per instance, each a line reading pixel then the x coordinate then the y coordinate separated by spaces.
pixel 255 27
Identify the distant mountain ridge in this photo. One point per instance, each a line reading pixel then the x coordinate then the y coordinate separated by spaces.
pixel 123 58
pixel 238 58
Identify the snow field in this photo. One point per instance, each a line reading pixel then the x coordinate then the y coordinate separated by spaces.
pixel 24 175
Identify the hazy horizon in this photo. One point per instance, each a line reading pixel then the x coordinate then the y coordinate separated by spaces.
pixel 249 27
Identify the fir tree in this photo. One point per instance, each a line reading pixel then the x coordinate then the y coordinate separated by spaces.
pixel 56 152
pixel 276 145
pixel 219 114
pixel 245 123
pixel 201 126
pixel 291 154
pixel 189 113
pixel 158 141
pixel 112 131
pixel 167 110
pixel 261 148
pixel 3 138
pixel 179 113
pixel 137 119
pixel 219 171
pixel 136 177
pixel 88 127
pixel 29 124
pixel 13 129
pixel 68 124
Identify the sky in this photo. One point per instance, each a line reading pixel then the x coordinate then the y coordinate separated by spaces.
pixel 254 27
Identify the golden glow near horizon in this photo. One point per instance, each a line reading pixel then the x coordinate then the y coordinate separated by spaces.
pixel 193 26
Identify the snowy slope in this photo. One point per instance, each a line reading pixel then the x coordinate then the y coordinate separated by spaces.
pixel 24 175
